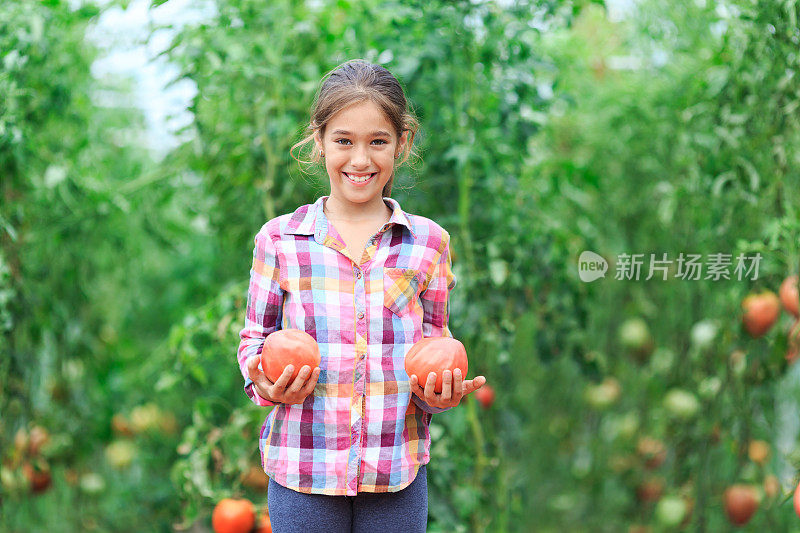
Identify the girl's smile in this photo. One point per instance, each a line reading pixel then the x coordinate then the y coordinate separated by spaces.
pixel 359 179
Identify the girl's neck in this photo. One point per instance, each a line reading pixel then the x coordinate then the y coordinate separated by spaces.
pixel 374 210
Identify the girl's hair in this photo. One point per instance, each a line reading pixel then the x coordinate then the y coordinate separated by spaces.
pixel 353 82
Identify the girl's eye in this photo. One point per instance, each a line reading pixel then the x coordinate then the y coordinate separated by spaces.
pixel 341 141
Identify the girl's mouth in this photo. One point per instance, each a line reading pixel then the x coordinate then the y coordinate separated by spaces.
pixel 359 180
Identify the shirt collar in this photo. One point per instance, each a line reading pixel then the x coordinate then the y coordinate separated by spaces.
pixel 310 220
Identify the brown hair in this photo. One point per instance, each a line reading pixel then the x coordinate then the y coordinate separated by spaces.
pixel 356 81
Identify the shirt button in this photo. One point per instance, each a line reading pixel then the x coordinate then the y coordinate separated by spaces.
pixel 358 274
pixel 360 315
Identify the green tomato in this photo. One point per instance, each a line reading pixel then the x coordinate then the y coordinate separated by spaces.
pixel 629 425
pixel 635 336
pixel 703 334
pixel 681 404
pixel 710 387
pixel 10 480
pixel 120 453
pixel 662 361
pixel 603 395
pixel 92 483
pixel 671 510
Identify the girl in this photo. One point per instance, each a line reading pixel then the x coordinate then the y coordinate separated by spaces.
pixel 346 444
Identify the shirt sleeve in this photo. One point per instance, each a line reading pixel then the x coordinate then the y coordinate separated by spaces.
pixel 264 308
pixel 435 305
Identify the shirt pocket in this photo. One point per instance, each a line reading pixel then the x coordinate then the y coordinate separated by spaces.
pixel 400 289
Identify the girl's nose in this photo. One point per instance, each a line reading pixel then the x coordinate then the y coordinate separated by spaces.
pixel 360 157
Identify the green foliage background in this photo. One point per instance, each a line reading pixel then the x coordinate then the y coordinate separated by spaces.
pixel 548 128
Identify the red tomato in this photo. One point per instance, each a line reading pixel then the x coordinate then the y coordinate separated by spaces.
pixel 789 295
pixel 760 312
pixel 652 450
pixel 38 476
pixel 485 395
pixel 794 343
pixel 436 354
pixel 651 489
pixel 288 347
pixel 264 525
pixel 741 502
pixel 233 516
pixel 797 500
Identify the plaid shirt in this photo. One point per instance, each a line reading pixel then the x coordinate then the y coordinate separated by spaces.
pixel 361 430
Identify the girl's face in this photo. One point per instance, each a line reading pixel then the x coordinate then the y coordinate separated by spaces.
pixel 360 145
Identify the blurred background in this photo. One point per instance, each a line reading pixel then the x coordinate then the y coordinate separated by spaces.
pixel 144 143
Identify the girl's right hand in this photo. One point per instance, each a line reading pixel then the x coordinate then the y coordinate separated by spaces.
pixel 282 391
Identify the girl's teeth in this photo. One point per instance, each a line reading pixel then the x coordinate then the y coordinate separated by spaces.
pixel 359 179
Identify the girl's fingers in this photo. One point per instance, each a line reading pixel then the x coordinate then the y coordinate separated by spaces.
pixel 422 383
pixel 474 384
pixel 282 390
pixel 312 381
pixel 454 388
pixel 278 389
pixel 283 381
pixel 261 383
pixel 300 380
pixel 303 385
pixel 458 389
pixel 447 385
pixel 252 368
pixel 429 385
pixel 309 384
pixel 415 388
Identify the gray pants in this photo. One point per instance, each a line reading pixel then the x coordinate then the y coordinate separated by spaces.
pixel 405 511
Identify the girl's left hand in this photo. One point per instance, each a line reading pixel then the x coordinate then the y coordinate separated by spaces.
pixel 451 392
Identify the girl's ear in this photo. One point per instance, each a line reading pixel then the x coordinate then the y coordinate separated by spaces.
pixel 318 141
pixel 401 143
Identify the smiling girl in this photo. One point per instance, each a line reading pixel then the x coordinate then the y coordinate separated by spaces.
pixel 346 443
